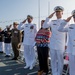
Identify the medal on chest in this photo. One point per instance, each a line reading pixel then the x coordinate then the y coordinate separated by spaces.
pixel 31 28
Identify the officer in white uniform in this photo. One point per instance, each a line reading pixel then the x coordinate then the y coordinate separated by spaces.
pixel 70 28
pixel 30 31
pixel 57 41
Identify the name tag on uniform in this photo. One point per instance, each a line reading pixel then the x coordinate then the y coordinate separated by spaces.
pixel 15 31
pixel 71 27
pixel 54 24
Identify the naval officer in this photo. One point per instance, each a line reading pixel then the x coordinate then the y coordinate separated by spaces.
pixel 57 40
pixel 30 31
pixel 70 28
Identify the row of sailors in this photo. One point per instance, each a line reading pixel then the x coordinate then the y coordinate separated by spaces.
pixel 57 41
pixel 56 45
pixel 14 37
pixel 6 37
pixel 30 32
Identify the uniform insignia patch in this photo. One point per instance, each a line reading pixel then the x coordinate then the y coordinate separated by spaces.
pixel 54 24
pixel 31 27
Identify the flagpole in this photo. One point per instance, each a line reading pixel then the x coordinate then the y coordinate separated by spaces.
pixel 48 7
pixel 39 14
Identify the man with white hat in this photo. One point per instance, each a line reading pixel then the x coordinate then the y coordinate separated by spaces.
pixel 70 28
pixel 30 31
pixel 57 40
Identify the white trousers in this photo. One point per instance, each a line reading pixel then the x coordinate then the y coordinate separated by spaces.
pixel 1 46
pixel 7 48
pixel 29 55
pixel 72 64
pixel 57 61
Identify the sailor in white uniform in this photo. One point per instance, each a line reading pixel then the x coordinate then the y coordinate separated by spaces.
pixel 57 41
pixel 70 28
pixel 30 31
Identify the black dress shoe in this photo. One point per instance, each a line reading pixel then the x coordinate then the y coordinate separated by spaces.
pixel 1 51
pixel 14 58
pixel 7 56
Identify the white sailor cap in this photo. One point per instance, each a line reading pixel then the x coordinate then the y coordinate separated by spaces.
pixel 58 8
pixel 73 12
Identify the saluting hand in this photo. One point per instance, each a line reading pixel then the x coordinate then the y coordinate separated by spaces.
pixel 24 21
pixel 68 19
pixel 10 26
pixel 50 16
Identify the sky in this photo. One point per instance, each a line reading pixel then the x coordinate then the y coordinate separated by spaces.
pixel 17 10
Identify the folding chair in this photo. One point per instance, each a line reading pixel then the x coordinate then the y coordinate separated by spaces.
pixel 66 65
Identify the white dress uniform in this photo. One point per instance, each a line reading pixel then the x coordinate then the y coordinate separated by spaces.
pixel 30 31
pixel 71 44
pixel 7 41
pixel 57 45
